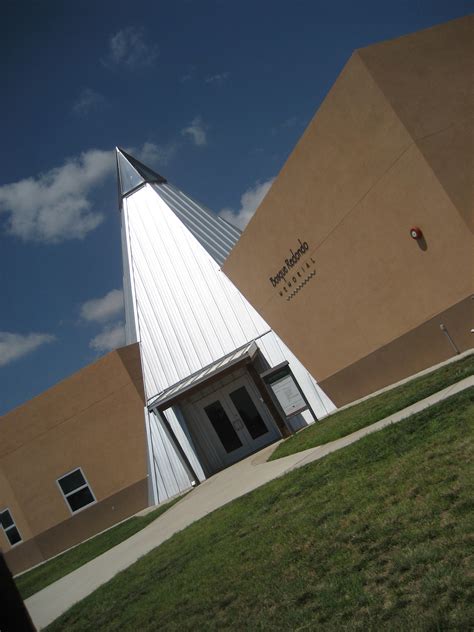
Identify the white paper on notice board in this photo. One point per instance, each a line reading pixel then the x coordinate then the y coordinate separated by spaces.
pixel 288 395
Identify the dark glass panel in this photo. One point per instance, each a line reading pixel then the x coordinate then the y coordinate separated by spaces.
pixel 13 535
pixel 72 481
pixel 223 427
pixel 129 178
pixel 6 519
pixel 148 174
pixel 248 412
pixel 80 499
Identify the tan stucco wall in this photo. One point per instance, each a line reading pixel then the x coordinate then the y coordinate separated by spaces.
pixel 378 158
pixel 93 420
pixel 78 527
pixel 8 501
pixel 427 78
pixel 392 362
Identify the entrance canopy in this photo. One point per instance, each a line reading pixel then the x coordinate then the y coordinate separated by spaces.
pixel 167 397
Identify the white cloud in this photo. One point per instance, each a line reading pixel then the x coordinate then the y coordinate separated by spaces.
pixel 152 154
pixel 218 78
pixel 288 123
pixel 88 100
pixel 14 346
pixel 55 206
pixel 249 202
pixel 111 337
pixel 196 131
pixel 101 310
pixel 128 48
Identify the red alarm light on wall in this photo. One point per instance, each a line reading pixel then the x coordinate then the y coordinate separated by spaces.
pixel 416 233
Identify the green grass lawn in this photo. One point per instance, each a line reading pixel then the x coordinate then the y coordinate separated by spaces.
pixel 368 412
pixel 374 537
pixel 41 576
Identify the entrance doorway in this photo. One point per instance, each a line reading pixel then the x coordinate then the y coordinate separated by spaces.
pixel 236 421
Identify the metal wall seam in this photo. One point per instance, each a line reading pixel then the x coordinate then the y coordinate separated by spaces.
pixel 131 330
pixel 162 465
pixel 210 297
pixel 225 307
pixel 228 234
pixel 156 343
pixel 179 427
pixel 253 327
pixel 198 292
pixel 177 323
pixel 269 350
pixel 152 483
pixel 231 232
pixel 128 257
pixel 160 486
pixel 184 288
pixel 253 315
pixel 177 467
pixel 153 372
pixel 203 224
pixel 202 439
pixel 152 301
pixel 197 226
pixel 173 474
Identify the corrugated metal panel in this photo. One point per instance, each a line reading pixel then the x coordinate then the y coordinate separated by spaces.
pixel 217 236
pixel 189 314
pixel 178 424
pixel 170 474
pixel 131 329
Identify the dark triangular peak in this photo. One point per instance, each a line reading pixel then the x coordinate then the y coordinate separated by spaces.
pixel 132 173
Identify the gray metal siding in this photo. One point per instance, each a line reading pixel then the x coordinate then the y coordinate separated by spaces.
pixel 189 314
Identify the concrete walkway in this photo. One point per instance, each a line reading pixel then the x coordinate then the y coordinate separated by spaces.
pixel 235 481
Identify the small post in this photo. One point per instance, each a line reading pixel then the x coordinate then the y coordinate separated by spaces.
pixel 444 329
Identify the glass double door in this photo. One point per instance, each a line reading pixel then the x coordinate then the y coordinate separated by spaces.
pixel 238 420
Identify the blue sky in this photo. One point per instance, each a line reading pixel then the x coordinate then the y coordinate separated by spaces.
pixel 213 95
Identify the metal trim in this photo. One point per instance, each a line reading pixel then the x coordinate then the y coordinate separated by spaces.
pixel 12 525
pixel 275 399
pixel 161 401
pixel 274 369
pixel 186 462
pixel 73 513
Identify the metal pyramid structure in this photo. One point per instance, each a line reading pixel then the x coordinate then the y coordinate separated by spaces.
pixel 180 306
pixel 132 173
pixel 214 233
pixel 188 317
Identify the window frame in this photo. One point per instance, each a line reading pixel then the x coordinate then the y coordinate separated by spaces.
pixel 86 485
pixel 13 525
pixel 274 374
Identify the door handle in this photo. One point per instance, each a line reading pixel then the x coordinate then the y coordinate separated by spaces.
pixel 238 424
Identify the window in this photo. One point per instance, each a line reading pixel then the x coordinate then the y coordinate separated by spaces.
pixel 76 490
pixel 9 527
